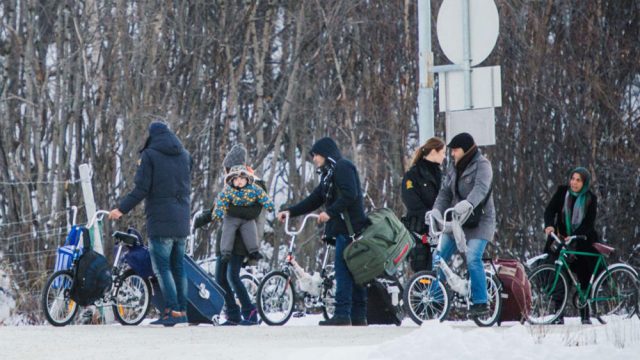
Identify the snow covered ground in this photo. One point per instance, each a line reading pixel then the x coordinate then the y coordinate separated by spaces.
pixel 303 339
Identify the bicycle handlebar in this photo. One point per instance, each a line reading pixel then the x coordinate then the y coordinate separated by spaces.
pixel 304 221
pixel 567 240
pixel 435 223
pixel 96 217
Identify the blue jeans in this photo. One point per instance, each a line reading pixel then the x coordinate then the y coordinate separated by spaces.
pixel 228 277
pixel 351 299
pixel 167 256
pixel 475 249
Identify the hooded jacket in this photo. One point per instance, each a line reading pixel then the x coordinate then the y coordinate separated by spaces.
pixel 339 191
pixel 163 180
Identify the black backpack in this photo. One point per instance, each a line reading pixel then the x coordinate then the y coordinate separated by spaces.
pixel 92 274
pixel 380 307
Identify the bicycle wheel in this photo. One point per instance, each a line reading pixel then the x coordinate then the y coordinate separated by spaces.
pixel 547 303
pixel 133 296
pixel 58 308
pixel 615 293
pixel 494 301
pixel 251 284
pixel 329 296
pixel 425 297
pixel 275 298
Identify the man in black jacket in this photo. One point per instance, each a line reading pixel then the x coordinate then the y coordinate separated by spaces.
pixel 340 191
pixel 163 180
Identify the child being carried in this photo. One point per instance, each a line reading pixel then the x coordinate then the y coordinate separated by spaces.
pixel 239 190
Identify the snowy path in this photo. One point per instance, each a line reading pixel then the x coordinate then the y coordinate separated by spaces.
pixel 302 339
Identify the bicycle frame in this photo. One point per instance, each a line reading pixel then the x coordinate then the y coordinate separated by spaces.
pixel 456 283
pixel 436 236
pixel 291 266
pixel 561 262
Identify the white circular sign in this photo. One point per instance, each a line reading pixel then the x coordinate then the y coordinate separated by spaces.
pixel 483 29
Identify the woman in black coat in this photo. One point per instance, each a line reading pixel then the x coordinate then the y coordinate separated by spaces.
pixel 572 211
pixel 420 186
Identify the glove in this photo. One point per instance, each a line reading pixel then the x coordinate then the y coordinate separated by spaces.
pixel 437 218
pixel 437 223
pixel 203 219
pixel 463 209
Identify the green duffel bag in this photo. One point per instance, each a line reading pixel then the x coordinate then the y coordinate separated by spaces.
pixel 379 248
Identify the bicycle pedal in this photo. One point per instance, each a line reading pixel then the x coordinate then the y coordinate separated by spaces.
pixel 298 314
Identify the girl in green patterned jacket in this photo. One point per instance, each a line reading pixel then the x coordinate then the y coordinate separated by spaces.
pixel 239 191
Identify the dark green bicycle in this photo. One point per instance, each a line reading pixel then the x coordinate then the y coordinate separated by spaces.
pixel 613 293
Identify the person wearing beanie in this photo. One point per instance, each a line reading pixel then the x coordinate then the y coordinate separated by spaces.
pixel 163 180
pixel 467 188
pixel 572 211
pixel 236 156
pixel 239 190
pixel 340 192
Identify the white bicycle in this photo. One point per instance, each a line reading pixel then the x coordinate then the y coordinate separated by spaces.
pixel 278 290
pixel 429 295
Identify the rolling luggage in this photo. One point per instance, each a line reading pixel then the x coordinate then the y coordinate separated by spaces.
pixel 205 298
pixel 516 293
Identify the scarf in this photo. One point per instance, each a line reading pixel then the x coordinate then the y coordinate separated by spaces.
pixel 454 227
pixel 326 179
pixel 574 211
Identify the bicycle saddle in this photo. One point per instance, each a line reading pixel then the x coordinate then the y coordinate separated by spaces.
pixel 127 239
pixel 603 249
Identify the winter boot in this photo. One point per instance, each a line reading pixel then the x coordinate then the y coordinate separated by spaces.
pixel 359 322
pixel 336 321
pixel 231 321
pixel 584 316
pixel 250 316
pixel 162 320
pixel 176 318
pixel 476 310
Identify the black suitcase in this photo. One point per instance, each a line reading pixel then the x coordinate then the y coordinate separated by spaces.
pixel 384 302
pixel 205 298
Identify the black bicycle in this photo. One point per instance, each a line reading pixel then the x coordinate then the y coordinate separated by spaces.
pixel 129 295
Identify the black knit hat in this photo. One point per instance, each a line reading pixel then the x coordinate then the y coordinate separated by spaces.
pixel 463 140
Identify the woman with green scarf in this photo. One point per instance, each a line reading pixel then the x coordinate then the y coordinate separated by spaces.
pixel 572 211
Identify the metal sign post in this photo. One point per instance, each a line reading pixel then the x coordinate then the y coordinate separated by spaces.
pixel 425 77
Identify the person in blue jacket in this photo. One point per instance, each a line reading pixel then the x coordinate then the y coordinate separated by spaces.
pixel 163 180
pixel 341 193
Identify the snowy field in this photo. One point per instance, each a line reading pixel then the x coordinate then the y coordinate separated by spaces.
pixel 303 339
